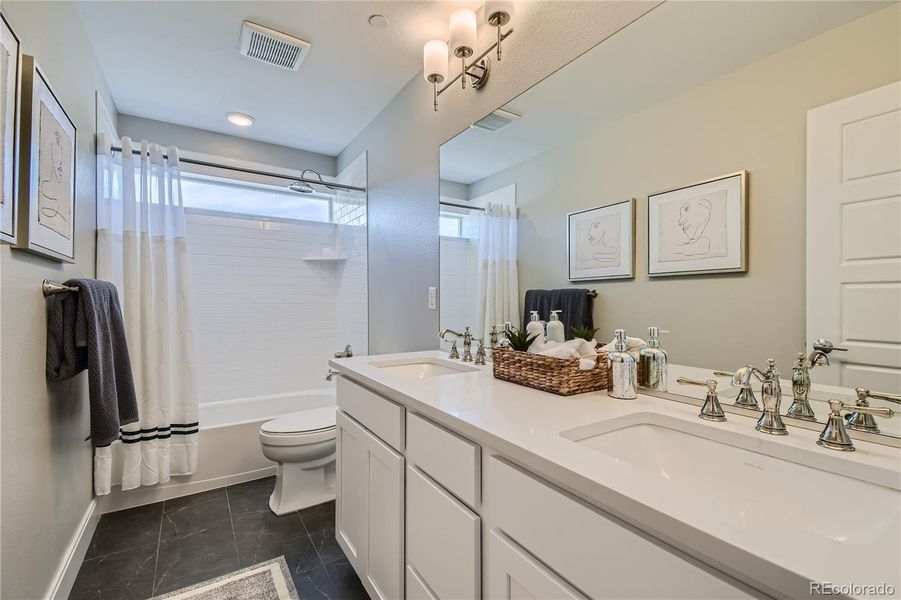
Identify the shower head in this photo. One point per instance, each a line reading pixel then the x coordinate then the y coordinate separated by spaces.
pixel 301 188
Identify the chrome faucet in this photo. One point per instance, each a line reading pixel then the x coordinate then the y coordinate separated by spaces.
pixel 862 420
pixel 834 436
pixel 347 353
pixel 332 373
pixel 819 356
pixel 711 411
pixel 800 406
pixel 480 353
pixel 467 343
pixel 771 393
pixel 745 397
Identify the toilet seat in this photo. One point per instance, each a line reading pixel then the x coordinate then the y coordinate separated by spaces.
pixel 301 428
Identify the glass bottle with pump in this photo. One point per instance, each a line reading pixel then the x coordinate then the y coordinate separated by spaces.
pixel 652 361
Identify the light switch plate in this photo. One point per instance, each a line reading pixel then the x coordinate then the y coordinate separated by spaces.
pixel 433 298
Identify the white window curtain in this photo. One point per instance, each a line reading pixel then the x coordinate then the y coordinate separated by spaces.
pixel 498 282
pixel 142 249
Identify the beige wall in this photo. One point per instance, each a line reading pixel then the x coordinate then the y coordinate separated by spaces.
pixel 753 119
pixel 403 142
pixel 46 466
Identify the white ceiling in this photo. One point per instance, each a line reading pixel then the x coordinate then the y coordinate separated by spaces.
pixel 178 62
pixel 672 49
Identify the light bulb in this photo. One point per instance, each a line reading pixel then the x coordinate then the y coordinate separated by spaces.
pixel 463 32
pixel 434 61
pixel 239 119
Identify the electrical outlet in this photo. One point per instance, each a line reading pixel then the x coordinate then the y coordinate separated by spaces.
pixel 433 298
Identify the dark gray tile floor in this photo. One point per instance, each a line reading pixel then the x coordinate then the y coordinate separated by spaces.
pixel 155 549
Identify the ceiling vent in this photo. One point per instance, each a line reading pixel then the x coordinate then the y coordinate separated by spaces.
pixel 496 120
pixel 272 47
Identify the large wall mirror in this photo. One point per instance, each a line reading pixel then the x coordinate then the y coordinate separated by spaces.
pixel 745 161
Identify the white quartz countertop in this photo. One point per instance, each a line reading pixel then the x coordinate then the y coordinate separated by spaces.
pixel 525 425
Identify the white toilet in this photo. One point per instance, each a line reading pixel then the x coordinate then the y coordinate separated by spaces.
pixel 303 445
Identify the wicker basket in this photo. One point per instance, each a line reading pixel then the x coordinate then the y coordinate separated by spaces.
pixel 556 375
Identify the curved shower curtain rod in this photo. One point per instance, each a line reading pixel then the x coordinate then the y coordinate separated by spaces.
pixel 302 179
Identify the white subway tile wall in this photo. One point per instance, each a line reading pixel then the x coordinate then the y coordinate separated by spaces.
pixel 349 211
pixel 459 270
pixel 266 320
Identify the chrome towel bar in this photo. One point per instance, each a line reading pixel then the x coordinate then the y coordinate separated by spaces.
pixel 49 288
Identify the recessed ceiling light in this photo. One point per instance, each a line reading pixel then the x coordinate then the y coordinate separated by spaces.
pixel 378 21
pixel 239 119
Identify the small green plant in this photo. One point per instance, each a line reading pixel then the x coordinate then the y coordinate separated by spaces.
pixel 586 333
pixel 519 340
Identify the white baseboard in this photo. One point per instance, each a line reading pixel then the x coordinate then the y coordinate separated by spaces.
pixel 75 553
pixel 119 500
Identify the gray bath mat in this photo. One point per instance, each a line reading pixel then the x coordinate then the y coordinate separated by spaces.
pixel 270 580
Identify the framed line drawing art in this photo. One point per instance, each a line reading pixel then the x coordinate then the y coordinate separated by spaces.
pixel 47 220
pixel 699 229
pixel 601 242
pixel 10 85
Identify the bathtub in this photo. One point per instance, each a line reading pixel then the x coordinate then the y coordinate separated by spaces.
pixel 229 450
pixel 232 413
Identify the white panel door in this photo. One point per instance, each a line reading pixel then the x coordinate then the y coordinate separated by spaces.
pixel 369 511
pixel 854 237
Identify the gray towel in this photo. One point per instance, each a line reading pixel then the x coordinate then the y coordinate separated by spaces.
pixel 85 331
pixel 574 304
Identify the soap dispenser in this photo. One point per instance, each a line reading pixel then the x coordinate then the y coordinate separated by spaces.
pixel 652 362
pixel 535 326
pixel 555 331
pixel 622 369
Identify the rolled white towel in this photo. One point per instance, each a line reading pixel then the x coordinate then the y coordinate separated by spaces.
pixel 632 344
pixel 587 364
pixel 576 348
pixel 539 345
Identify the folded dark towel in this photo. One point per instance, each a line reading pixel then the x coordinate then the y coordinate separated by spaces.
pixel 574 304
pixel 85 331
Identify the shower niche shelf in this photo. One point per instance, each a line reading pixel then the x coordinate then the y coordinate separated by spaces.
pixel 324 258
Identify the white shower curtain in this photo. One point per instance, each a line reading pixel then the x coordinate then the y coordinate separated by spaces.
pixel 498 283
pixel 142 249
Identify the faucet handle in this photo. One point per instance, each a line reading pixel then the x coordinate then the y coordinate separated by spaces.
pixel 454 353
pixel 834 435
pixel 825 346
pixel 480 353
pixel 711 411
pixel 864 393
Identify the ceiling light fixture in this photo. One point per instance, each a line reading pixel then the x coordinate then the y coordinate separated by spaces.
pixel 379 21
pixel 463 36
pixel 239 119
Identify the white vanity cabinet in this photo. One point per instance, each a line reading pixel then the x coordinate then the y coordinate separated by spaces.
pixel 369 510
pixel 443 529
pixel 425 513
pixel 596 553
pixel 513 574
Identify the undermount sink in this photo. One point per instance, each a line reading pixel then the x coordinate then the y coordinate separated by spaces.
pixel 749 481
pixel 422 368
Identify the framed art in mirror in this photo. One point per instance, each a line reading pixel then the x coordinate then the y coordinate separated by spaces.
pixel 601 242
pixel 48 140
pixel 10 85
pixel 700 228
